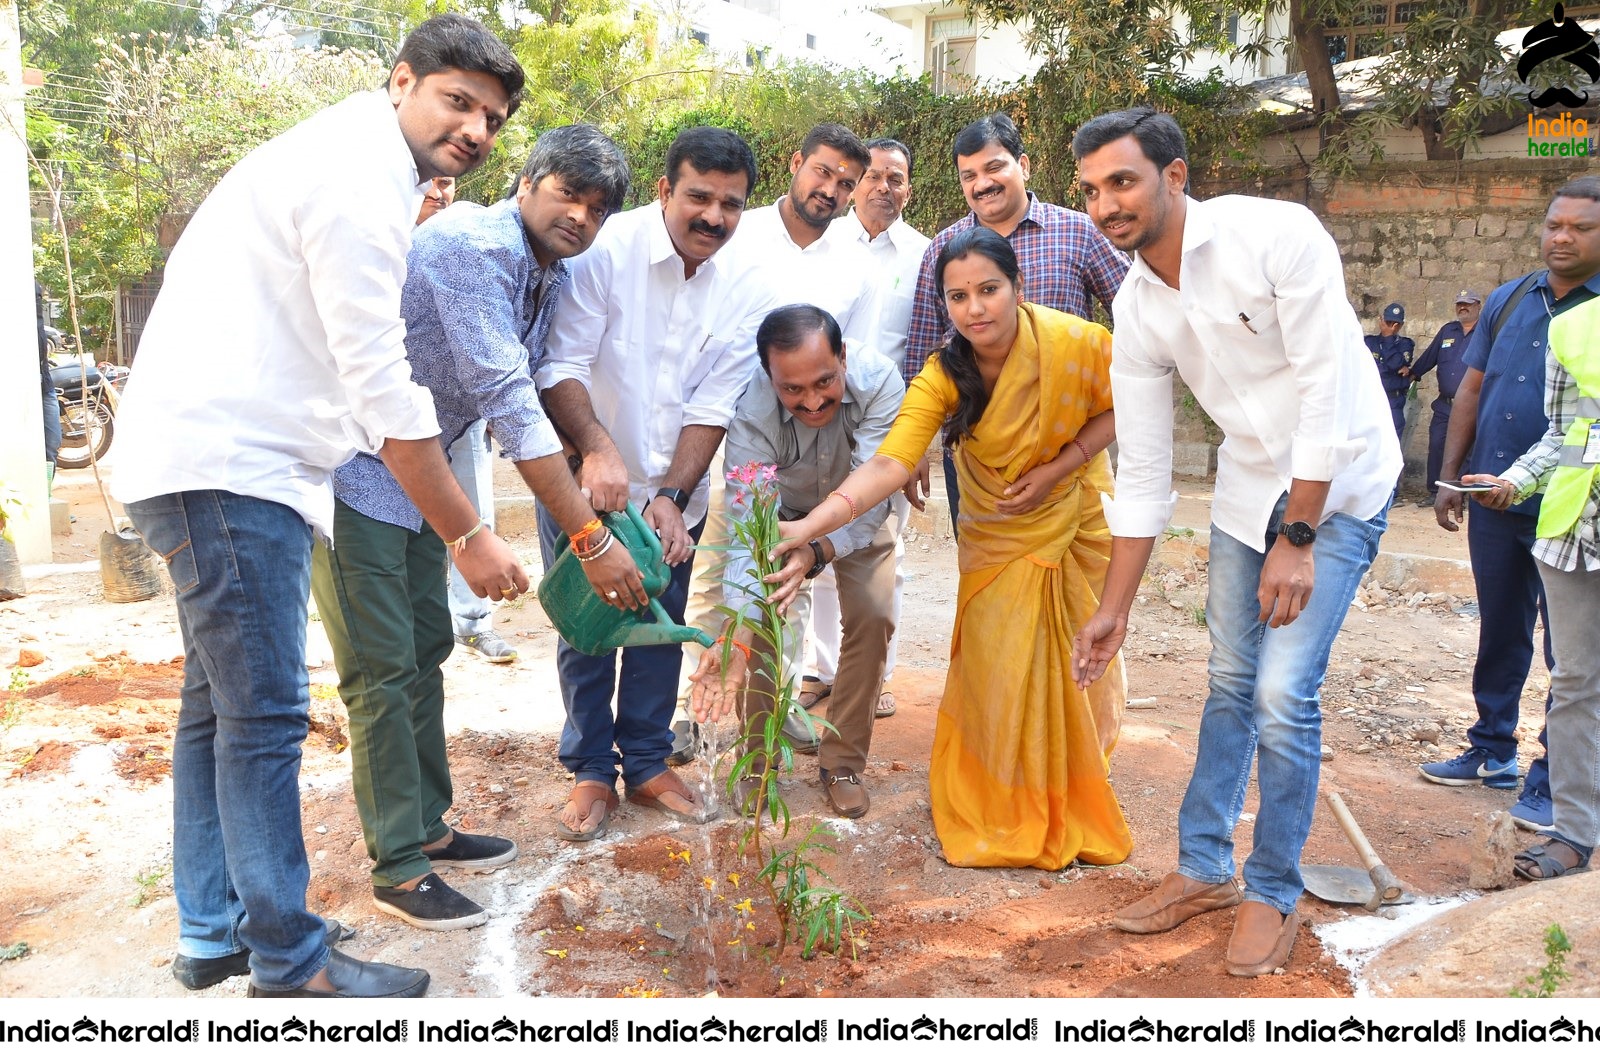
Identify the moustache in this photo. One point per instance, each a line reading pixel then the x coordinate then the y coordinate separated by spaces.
pixel 714 231
pixel 1561 95
pixel 824 407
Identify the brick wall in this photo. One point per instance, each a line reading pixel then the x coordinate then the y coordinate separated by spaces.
pixel 1418 233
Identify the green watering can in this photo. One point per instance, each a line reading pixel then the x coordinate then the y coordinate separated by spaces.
pixel 593 626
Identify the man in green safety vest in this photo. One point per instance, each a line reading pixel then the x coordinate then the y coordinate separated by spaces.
pixel 1565 464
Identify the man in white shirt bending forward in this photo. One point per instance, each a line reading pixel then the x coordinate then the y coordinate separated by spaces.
pixel 291 302
pixel 1245 299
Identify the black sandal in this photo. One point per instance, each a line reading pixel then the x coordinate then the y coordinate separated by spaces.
pixel 1548 866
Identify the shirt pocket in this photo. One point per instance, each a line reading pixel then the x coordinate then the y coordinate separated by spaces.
pixel 1251 317
pixel 699 364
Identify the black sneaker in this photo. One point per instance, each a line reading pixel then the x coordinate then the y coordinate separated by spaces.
pixel 473 853
pixel 432 904
pixel 353 978
pixel 197 973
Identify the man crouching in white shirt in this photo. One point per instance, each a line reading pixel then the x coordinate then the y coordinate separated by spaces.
pixel 292 302
pixel 1244 298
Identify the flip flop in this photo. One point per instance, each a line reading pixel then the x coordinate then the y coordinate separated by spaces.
pixel 653 792
pixel 812 692
pixel 586 795
pixel 886 707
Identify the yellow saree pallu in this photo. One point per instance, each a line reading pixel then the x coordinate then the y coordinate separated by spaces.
pixel 1020 755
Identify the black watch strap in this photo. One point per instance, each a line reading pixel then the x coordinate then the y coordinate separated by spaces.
pixel 1299 534
pixel 822 562
pixel 677 497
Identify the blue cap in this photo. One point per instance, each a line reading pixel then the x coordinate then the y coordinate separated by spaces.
pixel 1394 313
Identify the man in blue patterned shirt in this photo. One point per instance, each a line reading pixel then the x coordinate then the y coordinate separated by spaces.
pixel 480 291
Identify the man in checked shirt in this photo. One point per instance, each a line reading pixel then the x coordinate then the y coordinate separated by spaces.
pixel 1066 263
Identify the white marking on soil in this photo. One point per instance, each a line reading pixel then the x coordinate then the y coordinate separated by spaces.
pixel 1356 940
pixel 513 899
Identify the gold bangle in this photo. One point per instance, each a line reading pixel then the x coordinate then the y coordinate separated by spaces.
pixel 851 501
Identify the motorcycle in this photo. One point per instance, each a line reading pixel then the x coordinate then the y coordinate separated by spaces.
pixel 87 396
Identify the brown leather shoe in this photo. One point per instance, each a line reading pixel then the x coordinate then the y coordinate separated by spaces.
pixel 846 793
pixel 1262 939
pixel 1177 899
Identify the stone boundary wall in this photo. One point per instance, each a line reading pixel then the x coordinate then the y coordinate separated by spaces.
pixel 1415 233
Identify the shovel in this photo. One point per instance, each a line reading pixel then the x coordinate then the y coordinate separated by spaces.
pixel 1342 885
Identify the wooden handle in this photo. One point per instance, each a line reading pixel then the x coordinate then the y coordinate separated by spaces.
pixel 1387 884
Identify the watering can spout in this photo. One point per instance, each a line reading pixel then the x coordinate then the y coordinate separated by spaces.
pixel 662 630
pixel 593 626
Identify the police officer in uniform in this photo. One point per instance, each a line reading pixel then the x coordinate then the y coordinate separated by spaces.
pixel 1391 352
pixel 1445 353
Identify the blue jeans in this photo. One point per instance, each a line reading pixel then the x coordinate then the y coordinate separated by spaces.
pixel 1265 696
pixel 638 738
pixel 52 418
pixel 242 569
pixel 1510 597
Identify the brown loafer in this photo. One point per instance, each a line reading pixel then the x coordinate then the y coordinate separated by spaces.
pixel 1262 939
pixel 846 794
pixel 1177 899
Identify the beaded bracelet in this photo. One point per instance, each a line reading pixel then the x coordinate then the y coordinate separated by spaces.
pixel 591 545
pixel 851 501
pixel 742 647
pixel 580 540
pixel 591 556
pixel 459 545
pixel 1084 450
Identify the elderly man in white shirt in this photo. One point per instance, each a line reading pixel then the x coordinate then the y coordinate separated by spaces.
pixel 286 287
pixel 895 250
pixel 653 341
pixel 1245 298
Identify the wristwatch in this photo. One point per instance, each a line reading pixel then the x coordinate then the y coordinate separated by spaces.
pixel 822 562
pixel 1299 534
pixel 678 497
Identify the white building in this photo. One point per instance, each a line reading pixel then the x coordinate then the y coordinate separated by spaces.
pixel 960 52
pixel 843 33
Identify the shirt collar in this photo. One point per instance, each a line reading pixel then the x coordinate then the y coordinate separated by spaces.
pixel 1592 283
pixel 893 235
pixel 1198 228
pixel 661 248
pixel 380 99
pixel 1035 214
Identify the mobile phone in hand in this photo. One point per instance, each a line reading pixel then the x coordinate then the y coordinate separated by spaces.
pixel 1465 487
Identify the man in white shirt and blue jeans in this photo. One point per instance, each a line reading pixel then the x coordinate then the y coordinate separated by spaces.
pixel 1245 298
pixel 292 302
pixel 652 344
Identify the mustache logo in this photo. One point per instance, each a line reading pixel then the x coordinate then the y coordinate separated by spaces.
pixel 1559 39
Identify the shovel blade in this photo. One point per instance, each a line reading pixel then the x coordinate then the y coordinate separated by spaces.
pixel 1343 885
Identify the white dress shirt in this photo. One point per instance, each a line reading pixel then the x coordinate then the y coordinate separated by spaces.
pixel 656 352
pixel 1263 335
pixel 896 255
pixel 276 349
pixel 830 274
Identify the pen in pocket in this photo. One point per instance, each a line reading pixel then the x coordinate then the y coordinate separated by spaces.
pixel 1245 320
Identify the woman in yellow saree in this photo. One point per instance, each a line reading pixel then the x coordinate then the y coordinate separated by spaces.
pixel 1020 755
